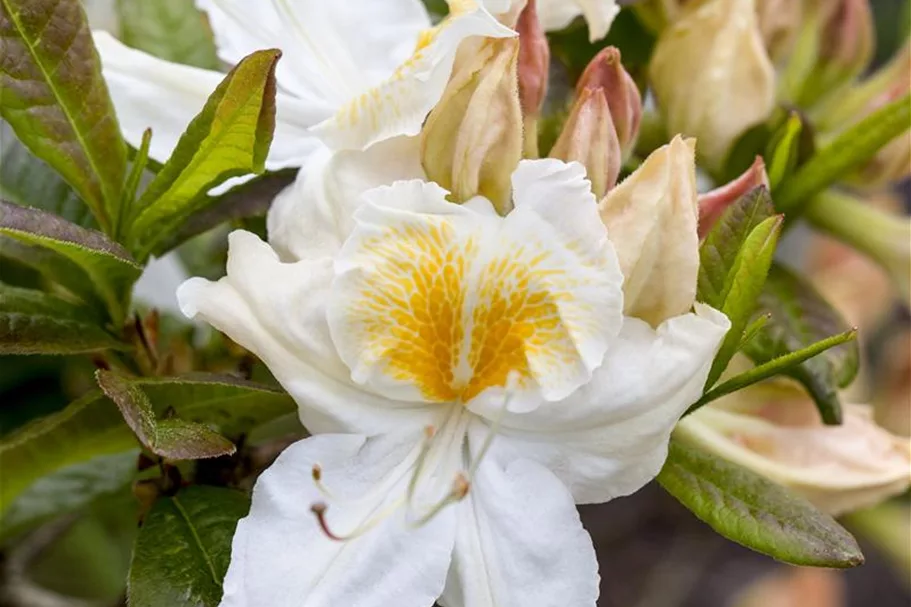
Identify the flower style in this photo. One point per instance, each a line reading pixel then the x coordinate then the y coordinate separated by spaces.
pixel 353 73
pixel 468 378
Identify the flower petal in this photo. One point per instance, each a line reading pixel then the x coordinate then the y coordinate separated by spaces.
pixel 152 93
pixel 557 14
pixel 610 437
pixel 281 557
pixel 519 540
pixel 839 468
pixel 439 302
pixel 313 218
pixel 278 311
pixel 399 104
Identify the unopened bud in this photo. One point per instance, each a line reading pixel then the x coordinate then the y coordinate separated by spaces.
pixel 847 36
pixel 712 75
pixel 534 60
pixel 651 220
pixel 777 433
pixel 472 140
pixel 606 72
pixel 590 138
pixel 712 205
pixel 779 23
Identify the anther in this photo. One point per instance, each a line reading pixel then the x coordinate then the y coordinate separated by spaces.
pixel 317 473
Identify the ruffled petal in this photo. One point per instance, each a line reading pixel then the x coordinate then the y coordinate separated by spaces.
pixel 519 540
pixel 313 218
pixel 278 311
pixel 610 437
pixel 599 14
pixel 440 302
pixel 280 556
pixel 152 93
pixel 399 104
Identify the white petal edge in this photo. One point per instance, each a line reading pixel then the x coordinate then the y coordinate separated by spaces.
pixel 558 14
pixel 399 104
pixel 280 556
pixel 519 541
pixel 152 93
pixel 278 312
pixel 610 437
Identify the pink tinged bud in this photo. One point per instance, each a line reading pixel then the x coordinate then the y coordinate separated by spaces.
pixel 712 205
pixel 779 23
pixel 606 72
pixel 848 34
pixel 590 138
pixel 534 60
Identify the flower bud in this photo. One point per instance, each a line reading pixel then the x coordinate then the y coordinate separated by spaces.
pixel 712 75
pixel 712 205
pixel 779 24
pixel 590 138
pixel 606 72
pixel 651 220
pixel 776 431
pixel 847 40
pixel 472 140
pixel 534 61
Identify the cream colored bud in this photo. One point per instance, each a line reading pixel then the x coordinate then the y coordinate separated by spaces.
pixel 712 75
pixel 651 219
pixel 713 204
pixel 779 23
pixel 534 60
pixel 606 72
pixel 472 140
pixel 779 435
pixel 589 138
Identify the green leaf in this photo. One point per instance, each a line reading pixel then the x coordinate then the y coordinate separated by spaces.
pixel 171 438
pixel 69 490
pixel 28 181
pixel 755 512
pixel 229 138
pixel 742 289
pixel 110 269
pixel 776 366
pixel 184 547
pixel 173 30
pixel 849 150
pixel 783 151
pixel 92 426
pixel 719 252
pixel 33 322
pixel 800 318
pixel 53 95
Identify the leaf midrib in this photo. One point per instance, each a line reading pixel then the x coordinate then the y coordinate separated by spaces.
pixel 197 540
pixel 60 103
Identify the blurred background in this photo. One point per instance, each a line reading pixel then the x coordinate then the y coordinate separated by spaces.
pixel 652 552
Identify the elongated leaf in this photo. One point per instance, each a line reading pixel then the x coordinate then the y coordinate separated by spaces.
pixel 755 512
pixel 800 317
pixel 852 148
pixel 109 267
pixel 171 438
pixel 33 322
pixel 28 181
pixel 229 138
pixel 174 30
pixel 92 426
pixel 69 490
pixel 53 95
pixel 53 267
pixel 776 366
pixel 184 547
pixel 718 253
pixel 742 289
pixel 783 151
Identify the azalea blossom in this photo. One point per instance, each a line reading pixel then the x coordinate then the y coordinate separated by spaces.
pixel 352 73
pixel 557 14
pixel 468 379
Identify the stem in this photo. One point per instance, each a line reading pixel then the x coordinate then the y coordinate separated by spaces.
pixel 883 237
pixel 530 138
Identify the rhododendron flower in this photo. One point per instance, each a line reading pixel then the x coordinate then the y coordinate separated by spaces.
pixel 468 378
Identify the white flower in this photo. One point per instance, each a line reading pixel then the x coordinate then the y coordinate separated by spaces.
pixel 469 378
pixel 352 73
pixel 557 14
